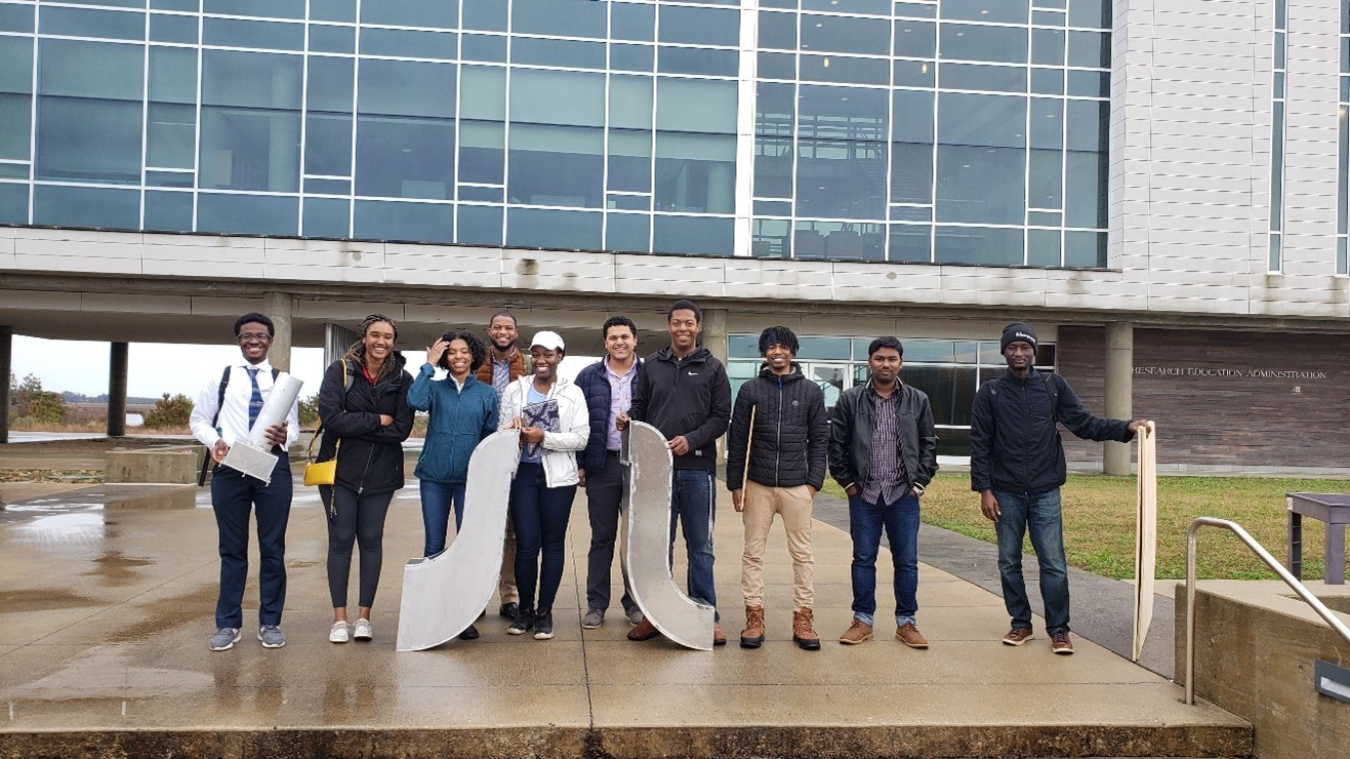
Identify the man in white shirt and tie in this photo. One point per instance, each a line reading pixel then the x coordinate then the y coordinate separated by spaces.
pixel 224 413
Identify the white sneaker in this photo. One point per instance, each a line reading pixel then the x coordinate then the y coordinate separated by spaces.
pixel 362 631
pixel 339 633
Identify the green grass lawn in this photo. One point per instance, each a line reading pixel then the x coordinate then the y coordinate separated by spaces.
pixel 1099 521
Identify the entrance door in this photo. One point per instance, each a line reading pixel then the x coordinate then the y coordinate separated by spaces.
pixel 833 378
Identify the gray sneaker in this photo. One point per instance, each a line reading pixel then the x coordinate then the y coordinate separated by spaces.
pixel 271 636
pixel 224 639
pixel 593 619
pixel 634 616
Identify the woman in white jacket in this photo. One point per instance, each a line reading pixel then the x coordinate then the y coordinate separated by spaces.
pixel 546 482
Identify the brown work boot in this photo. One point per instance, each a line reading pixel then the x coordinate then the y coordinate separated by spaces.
pixel 753 634
pixel 719 635
pixel 910 636
pixel 1060 643
pixel 644 630
pixel 856 633
pixel 1017 636
pixel 803 633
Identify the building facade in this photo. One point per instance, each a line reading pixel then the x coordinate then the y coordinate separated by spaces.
pixel 1109 171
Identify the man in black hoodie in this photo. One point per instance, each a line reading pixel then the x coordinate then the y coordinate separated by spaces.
pixel 1017 467
pixel 776 450
pixel 684 392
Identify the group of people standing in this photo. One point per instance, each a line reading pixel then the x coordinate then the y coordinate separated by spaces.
pixel 878 442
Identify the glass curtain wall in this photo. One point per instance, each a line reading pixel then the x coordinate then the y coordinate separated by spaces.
pixel 951 131
pixel 949 371
pixel 552 123
pixel 1275 262
pixel 1343 137
pixel 959 131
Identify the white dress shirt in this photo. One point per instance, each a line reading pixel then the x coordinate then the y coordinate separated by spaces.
pixel 233 422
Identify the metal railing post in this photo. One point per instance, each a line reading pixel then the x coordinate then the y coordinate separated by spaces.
pixel 1264 556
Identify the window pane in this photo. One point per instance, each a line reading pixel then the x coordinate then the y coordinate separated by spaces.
pixel 771 238
pixel 407 88
pixel 262 8
pixel 987 246
pixel 861 7
pixel 1011 11
pixel 408 43
pixel 1047 81
pixel 773 167
pixel 248 214
pixel 980 184
pixel 89 112
pixel 1003 44
pixel 415 222
pixel 404 157
pixel 481 47
pixel 170 138
pixel 700 26
pixel 168 211
pixel 570 53
pixel 693 105
pixel 535 228
pixel 628 232
pixel 1085 249
pixel 629 21
pixel 841 179
pixel 692 234
pixel 13 203
pixel 79 22
pixel 482 153
pixel 1044 180
pixel 1085 192
pixel 1047 46
pixel 484 93
pixel 967 76
pixel 695 172
pixel 915 39
pixel 991 120
pixel 697 61
pixel 630 161
pixel 16 18
pixel 840 241
pixel 843 34
pixel 777 66
pixel 86 207
pixel 777 31
pixel 16 105
pixel 1091 84
pixel 479 225
pixel 630 102
pixel 1092 13
pixel 632 57
pixel 330 84
pixel 1090 49
pixel 229 32
pixel 556 166
pixel 557 97
pixel 173 75
pixel 845 70
pixel 339 10
pixel 326 217
pixel 328 145
pixel 250 135
pixel 1043 247
pixel 570 19
pixel 911 243
pixel 434 13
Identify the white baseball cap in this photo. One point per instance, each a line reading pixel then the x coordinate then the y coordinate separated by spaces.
pixel 548 340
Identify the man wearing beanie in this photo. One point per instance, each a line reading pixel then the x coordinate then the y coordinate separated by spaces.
pixel 1017 467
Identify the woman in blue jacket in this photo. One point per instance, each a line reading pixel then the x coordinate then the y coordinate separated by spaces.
pixel 463 411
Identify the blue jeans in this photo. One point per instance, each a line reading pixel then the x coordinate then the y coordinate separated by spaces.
pixel 1040 512
pixel 540 515
pixel 437 498
pixel 693 505
pixel 901 522
pixel 233 496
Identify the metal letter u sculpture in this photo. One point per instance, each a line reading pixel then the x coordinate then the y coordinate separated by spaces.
pixel 648 550
pixel 443 595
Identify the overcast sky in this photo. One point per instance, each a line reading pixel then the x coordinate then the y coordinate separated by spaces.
pixel 156 368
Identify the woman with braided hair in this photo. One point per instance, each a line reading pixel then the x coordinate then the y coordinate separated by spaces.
pixel 366 417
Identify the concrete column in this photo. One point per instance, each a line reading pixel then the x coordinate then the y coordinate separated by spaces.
pixel 117 390
pixel 278 307
pixel 1119 391
pixel 714 335
pixel 6 348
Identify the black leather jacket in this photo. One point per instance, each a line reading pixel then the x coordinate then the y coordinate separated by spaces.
pixel 852 422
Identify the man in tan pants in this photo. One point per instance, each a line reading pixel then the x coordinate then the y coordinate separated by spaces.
pixel 776 454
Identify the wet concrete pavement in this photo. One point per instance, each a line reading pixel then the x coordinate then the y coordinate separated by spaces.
pixel 106 616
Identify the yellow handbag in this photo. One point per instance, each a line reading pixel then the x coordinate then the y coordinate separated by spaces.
pixel 324 472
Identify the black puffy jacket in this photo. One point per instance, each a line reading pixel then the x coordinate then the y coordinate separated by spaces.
pixel 791 432
pixel 1014 444
pixel 370 459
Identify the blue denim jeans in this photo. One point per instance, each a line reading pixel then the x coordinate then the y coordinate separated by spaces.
pixel 540 515
pixel 693 506
pixel 437 498
pixel 1041 513
pixel 900 519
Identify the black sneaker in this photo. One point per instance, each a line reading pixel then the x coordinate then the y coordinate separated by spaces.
pixel 470 634
pixel 543 625
pixel 509 610
pixel 522 623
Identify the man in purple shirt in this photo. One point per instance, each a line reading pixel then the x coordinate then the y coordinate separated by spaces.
pixel 883 453
pixel 608 386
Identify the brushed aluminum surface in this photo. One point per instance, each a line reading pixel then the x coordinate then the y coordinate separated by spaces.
pixel 443 595
pixel 647 550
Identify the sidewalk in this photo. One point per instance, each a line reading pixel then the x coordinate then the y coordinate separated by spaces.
pixel 106 616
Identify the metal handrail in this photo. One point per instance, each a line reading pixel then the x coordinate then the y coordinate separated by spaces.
pixel 1270 561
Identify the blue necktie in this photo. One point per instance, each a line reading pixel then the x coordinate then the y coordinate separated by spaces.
pixel 255 401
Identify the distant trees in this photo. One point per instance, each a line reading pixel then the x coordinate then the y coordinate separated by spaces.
pixel 309 411
pixel 169 411
pixel 29 404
